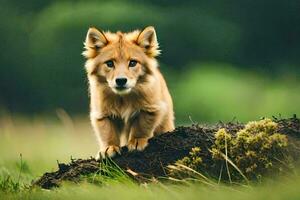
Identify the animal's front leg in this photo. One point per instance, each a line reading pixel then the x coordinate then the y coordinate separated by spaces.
pixel 105 130
pixel 142 129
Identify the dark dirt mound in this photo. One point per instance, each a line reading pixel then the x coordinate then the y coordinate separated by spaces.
pixel 162 151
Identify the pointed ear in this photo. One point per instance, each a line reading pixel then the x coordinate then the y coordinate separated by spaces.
pixel 95 40
pixel 148 41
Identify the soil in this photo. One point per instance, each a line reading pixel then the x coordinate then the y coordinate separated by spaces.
pixel 163 150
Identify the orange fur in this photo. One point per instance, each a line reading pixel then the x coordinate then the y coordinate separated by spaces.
pixel 143 107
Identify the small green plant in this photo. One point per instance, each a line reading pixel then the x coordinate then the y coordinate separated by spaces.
pixel 256 150
pixel 194 159
pixel 251 153
pixel 7 184
pixel 189 168
pixel 10 184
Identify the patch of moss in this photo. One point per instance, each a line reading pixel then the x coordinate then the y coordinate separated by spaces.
pixel 193 161
pixel 254 151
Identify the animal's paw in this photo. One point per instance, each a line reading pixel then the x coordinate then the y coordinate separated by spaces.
pixel 110 151
pixel 137 144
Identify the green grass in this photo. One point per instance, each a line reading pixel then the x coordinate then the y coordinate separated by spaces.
pixel 42 142
pixel 285 190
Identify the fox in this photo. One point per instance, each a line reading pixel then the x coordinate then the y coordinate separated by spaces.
pixel 129 98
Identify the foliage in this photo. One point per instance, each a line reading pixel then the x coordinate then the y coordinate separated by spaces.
pixel 251 154
pixel 194 159
pixel 256 150
pixel 7 184
pixel 10 183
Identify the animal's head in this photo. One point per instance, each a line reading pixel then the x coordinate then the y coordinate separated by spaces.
pixel 121 60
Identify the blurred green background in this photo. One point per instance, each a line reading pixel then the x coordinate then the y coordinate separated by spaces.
pixel 222 59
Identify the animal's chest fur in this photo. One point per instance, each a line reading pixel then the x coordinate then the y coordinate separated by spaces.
pixel 123 109
pixel 125 113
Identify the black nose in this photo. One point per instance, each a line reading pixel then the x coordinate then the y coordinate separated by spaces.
pixel 121 82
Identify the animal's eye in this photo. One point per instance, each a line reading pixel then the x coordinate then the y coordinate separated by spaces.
pixel 132 63
pixel 109 64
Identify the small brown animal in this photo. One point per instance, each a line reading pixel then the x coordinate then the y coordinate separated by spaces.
pixel 129 98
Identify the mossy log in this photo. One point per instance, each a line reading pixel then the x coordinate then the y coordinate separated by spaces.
pixel 166 149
